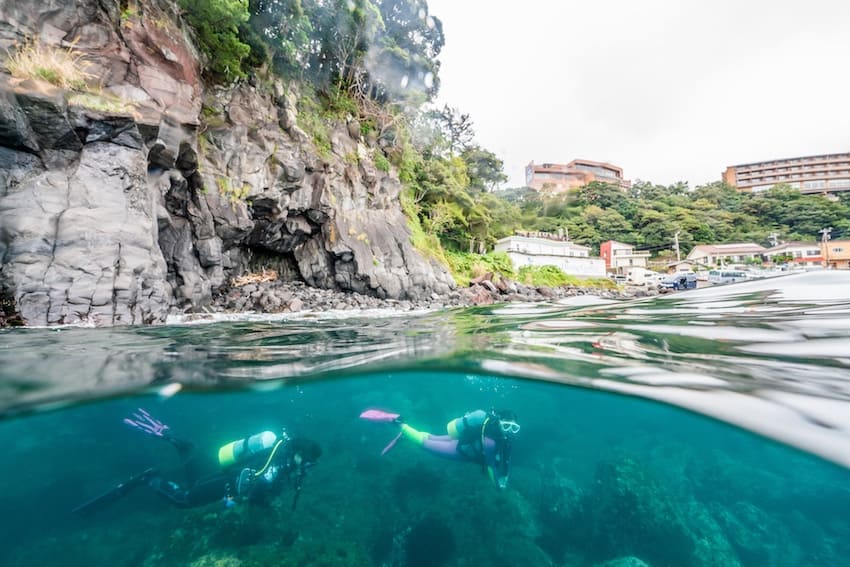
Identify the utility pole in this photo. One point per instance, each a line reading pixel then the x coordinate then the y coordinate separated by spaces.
pixel 676 246
pixel 825 243
pixel 773 239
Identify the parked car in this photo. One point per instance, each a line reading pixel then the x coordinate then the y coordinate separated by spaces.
pixel 641 276
pixel 655 279
pixel 680 281
pixel 727 276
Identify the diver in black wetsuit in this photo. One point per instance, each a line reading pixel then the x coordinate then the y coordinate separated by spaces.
pixel 251 469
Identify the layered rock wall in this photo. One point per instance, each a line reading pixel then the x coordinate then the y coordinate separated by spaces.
pixel 152 191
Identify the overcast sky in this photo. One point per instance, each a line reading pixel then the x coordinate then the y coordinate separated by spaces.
pixel 669 90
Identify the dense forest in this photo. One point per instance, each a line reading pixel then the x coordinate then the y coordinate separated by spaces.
pixel 650 215
pixel 376 61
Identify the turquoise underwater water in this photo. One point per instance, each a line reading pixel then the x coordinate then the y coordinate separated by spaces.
pixel 702 428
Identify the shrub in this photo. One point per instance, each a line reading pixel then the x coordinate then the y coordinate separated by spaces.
pixel 367 126
pixel 465 266
pixel 233 194
pixel 312 121
pixel 59 66
pixel 552 276
pixel 216 24
pixel 101 103
pixel 381 162
pixel 426 243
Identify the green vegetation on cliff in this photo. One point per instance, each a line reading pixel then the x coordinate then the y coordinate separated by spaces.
pixel 375 61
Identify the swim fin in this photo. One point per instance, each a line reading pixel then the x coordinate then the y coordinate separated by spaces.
pixel 381 416
pixel 118 491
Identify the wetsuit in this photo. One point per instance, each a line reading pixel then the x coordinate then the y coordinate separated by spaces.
pixel 473 437
pixel 255 477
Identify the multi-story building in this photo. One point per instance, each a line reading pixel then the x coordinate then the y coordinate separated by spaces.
pixel 559 178
pixel 735 253
pixel 543 250
pixel 836 254
pixel 806 253
pixel 619 257
pixel 813 174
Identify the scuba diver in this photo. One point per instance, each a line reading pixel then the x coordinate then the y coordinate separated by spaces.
pixel 251 469
pixel 484 437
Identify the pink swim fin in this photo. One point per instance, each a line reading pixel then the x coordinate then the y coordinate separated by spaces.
pixel 383 417
pixel 380 416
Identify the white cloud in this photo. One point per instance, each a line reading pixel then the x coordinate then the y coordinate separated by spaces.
pixel 668 90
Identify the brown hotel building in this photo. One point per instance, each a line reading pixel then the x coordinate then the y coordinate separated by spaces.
pixel 559 178
pixel 813 174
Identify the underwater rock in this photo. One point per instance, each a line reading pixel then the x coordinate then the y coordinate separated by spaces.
pixel 430 543
pixel 626 511
pixel 215 560
pixel 630 561
pixel 756 536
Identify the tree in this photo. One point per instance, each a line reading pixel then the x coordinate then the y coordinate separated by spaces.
pixel 408 51
pixel 286 27
pixel 485 170
pixel 216 24
pixel 455 127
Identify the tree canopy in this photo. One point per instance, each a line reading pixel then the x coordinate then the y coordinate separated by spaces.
pixel 649 216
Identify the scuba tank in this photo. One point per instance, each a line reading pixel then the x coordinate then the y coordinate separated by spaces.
pixel 244 448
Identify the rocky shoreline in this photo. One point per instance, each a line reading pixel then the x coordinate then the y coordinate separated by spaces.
pixel 293 297
pixel 278 296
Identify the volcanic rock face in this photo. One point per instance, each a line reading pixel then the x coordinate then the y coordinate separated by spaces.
pixel 118 213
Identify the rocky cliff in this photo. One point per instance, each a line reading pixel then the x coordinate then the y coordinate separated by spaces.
pixel 151 191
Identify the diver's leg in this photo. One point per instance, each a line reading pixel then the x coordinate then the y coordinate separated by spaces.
pixel 417 437
pixel 206 491
pixel 118 491
pixel 442 445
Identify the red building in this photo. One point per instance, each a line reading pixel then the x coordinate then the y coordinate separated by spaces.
pixel 619 257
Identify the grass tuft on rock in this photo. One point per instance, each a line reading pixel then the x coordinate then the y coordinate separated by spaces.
pixel 63 67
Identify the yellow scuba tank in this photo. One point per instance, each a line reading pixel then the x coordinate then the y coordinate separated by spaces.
pixel 243 448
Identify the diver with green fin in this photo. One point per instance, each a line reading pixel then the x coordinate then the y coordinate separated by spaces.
pixel 254 468
pixel 483 437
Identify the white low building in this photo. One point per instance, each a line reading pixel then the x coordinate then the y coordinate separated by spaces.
pixel 720 254
pixel 798 252
pixel 573 259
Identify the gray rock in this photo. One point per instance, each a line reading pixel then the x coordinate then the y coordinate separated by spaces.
pixel 122 218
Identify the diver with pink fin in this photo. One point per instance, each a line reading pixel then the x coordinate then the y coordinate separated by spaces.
pixel 479 436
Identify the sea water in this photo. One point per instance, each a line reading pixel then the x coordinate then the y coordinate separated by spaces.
pixel 709 427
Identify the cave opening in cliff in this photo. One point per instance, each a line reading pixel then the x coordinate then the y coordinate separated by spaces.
pixel 262 259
